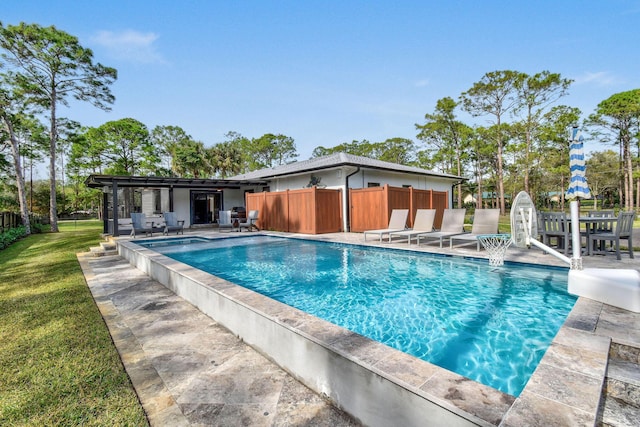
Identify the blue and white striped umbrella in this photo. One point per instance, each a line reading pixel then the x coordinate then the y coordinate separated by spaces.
pixel 578 186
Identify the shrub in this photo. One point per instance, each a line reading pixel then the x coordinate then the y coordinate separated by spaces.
pixel 11 235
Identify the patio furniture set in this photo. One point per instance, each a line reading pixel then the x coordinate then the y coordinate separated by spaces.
pixel 168 223
pixel 597 228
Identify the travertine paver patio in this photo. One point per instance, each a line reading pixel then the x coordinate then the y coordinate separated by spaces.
pixel 187 369
pixel 198 381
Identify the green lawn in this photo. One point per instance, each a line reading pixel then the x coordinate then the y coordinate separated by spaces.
pixel 58 363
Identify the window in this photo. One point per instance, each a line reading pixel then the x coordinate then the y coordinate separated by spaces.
pixel 373 184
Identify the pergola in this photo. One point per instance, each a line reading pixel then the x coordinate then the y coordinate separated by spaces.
pixel 111 184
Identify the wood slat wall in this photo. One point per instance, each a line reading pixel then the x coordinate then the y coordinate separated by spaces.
pixel 371 207
pixel 316 211
pixel 309 210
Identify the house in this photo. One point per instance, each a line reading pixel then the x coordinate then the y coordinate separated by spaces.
pixel 198 201
pixel 341 171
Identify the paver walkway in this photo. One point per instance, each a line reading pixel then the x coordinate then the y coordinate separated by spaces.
pixel 187 369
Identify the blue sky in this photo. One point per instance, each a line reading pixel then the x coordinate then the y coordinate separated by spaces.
pixel 328 72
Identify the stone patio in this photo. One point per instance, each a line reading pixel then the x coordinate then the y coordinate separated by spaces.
pixel 189 370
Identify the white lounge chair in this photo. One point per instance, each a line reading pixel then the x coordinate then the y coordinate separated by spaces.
pixel 224 221
pixel 452 223
pixel 172 223
pixel 423 223
pixel 398 222
pixel 250 223
pixel 485 221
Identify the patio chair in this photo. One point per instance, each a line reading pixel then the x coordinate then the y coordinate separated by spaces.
pixel 554 225
pixel 623 230
pixel 398 222
pixel 250 222
pixel 172 223
pixel 140 224
pixel 600 226
pixel 485 221
pixel 423 223
pixel 452 223
pixel 224 221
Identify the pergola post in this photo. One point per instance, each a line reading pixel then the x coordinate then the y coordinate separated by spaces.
pixel 114 189
pixel 105 212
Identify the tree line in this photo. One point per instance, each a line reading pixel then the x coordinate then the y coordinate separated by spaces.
pixel 523 146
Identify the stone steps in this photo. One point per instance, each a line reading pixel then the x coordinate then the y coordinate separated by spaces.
pixel 106 248
pixel 620 404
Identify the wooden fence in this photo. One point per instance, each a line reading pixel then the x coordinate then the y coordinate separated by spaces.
pixel 9 220
pixel 309 210
pixel 370 208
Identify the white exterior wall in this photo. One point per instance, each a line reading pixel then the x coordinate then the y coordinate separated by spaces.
pixel 419 182
pixel 182 205
pixel 232 197
pixel 147 202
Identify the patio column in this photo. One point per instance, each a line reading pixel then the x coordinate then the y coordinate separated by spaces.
pixel 114 189
pixel 105 212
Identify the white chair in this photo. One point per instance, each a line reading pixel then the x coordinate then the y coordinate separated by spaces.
pixel 224 221
pixel 452 223
pixel 422 223
pixel 250 223
pixel 397 222
pixel 485 221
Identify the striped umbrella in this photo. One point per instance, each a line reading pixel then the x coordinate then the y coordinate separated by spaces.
pixel 578 186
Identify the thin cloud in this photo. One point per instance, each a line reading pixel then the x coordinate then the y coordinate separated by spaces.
pixel 601 78
pixel 422 83
pixel 130 45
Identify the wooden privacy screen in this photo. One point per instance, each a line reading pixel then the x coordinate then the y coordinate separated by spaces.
pixel 309 210
pixel 370 208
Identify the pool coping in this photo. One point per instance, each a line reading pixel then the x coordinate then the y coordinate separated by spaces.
pixel 564 389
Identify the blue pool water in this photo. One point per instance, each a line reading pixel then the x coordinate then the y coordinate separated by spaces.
pixel 489 324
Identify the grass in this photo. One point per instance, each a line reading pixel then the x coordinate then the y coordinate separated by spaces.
pixel 58 363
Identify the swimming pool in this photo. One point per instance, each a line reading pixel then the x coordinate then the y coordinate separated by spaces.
pixel 492 325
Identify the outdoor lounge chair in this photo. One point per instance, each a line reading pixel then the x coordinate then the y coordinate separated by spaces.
pixel 423 223
pixel 250 223
pixel 398 222
pixel 623 230
pixel 485 221
pixel 172 223
pixel 140 224
pixel 224 221
pixel 452 223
